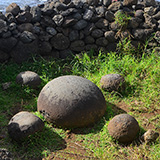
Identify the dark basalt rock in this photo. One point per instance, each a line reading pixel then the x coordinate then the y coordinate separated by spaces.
pixel 29 78
pixel 71 102
pixel 26 50
pixel 13 8
pixel 123 128
pixel 3 56
pixel 112 82
pixel 60 42
pixel 77 45
pixel 24 124
pixel 130 2
pixel 6 44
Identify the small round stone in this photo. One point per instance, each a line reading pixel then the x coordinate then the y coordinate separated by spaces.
pixel 29 78
pixel 71 102
pixel 112 82
pixel 24 124
pixel 123 128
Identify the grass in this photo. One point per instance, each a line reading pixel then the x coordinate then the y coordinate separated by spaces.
pixel 141 99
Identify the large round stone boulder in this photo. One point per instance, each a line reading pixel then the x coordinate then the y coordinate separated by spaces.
pixel 24 124
pixel 29 78
pixel 71 102
pixel 123 128
pixel 112 82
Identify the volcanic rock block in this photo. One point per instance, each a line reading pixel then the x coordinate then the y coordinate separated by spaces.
pixel 71 102
pixel 13 8
pixel 130 2
pixel 29 78
pixel 24 124
pixel 112 82
pixel 123 128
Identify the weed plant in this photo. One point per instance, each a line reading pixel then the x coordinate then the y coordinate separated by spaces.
pixel 141 96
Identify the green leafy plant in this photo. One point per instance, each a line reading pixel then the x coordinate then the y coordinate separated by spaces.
pixel 122 19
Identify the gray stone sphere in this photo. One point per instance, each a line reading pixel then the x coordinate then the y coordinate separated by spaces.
pixel 123 128
pixel 24 124
pixel 71 102
pixel 112 82
pixel 29 78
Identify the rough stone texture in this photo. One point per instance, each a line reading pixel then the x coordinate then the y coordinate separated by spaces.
pixel 97 33
pixel 107 2
pixel 51 31
pixel 157 36
pixel 44 48
pixel 71 101
pixel 26 50
pixel 25 27
pixel 6 44
pixel 58 19
pixel 109 16
pixel 148 3
pixel 3 25
pixel 156 16
pixel 123 128
pixel 115 6
pixel 102 24
pixel 80 25
pixel 48 8
pixel 63 24
pixel 89 40
pixel 102 41
pixel 36 14
pixel 3 56
pixel 138 34
pixel 110 36
pixel 5 154
pixel 139 13
pixel 24 17
pixel 60 42
pixel 27 37
pixel 112 82
pixel 29 78
pixel 91 47
pixel 13 8
pixel 130 2
pixel 24 124
pixel 77 45
pixel 74 35
pixel 149 136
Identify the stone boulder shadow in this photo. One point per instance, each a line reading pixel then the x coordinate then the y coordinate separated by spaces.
pixel 35 146
pixel 96 127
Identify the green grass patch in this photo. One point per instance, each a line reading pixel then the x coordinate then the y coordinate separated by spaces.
pixel 142 75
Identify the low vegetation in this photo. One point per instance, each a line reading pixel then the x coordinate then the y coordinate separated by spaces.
pixel 141 99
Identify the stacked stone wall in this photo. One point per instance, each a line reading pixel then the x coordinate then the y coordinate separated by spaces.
pixel 59 28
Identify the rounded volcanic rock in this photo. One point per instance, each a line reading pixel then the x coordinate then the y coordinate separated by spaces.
pixel 123 128
pixel 29 78
pixel 24 124
pixel 71 102
pixel 112 82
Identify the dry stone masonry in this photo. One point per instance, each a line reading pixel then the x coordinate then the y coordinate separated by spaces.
pixel 61 27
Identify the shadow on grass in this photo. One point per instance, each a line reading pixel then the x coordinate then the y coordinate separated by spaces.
pixel 37 146
pixel 111 111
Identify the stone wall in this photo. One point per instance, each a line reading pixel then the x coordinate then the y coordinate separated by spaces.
pixel 59 28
